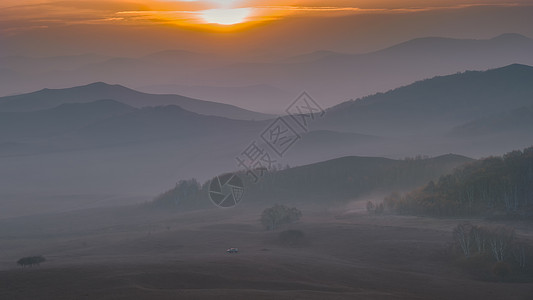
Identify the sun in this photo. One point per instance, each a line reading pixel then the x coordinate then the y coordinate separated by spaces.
pixel 226 16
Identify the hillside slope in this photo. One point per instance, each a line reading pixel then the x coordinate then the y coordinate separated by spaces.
pixel 436 105
pixel 48 98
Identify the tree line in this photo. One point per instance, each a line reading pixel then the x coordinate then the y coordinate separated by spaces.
pixel 186 193
pixel 495 185
pixel 339 179
pixel 495 246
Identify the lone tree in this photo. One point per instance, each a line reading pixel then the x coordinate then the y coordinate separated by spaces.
pixel 278 215
pixel 31 261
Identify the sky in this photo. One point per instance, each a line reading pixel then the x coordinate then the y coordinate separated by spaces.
pixel 132 28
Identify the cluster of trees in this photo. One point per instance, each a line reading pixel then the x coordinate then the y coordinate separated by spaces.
pixel 376 209
pixel 278 215
pixel 186 193
pixel 31 261
pixel 341 179
pixel 191 194
pixel 497 245
pixel 417 157
pixel 492 185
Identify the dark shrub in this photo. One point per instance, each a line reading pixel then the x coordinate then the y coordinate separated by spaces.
pixel 278 215
pixel 31 261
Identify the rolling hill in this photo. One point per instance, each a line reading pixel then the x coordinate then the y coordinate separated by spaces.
pixel 163 123
pixel 59 120
pixel 48 98
pixel 517 121
pixel 82 138
pixel 333 77
pixel 494 185
pixel 353 176
pixel 108 122
pixel 332 181
pixel 436 105
pixel 329 76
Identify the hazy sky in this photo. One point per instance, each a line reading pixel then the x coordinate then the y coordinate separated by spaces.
pixel 129 27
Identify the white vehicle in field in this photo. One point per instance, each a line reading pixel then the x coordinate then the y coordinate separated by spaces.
pixel 232 250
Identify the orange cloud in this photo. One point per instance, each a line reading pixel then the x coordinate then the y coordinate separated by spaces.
pixel 19 15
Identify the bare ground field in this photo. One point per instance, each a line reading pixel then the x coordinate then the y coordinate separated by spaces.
pixel 131 252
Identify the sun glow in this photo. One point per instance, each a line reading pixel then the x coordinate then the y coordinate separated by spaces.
pixel 223 16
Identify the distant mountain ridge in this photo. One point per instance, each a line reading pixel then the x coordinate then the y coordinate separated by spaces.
pixel 108 122
pixel 436 105
pixel 516 121
pixel 117 146
pixel 48 98
pixel 443 45
pixel 412 117
pixel 343 76
pixel 162 123
pixel 67 117
pixel 330 76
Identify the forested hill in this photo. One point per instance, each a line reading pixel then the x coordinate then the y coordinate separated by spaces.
pixel 494 185
pixel 351 177
pixel 326 182
pixel 440 103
